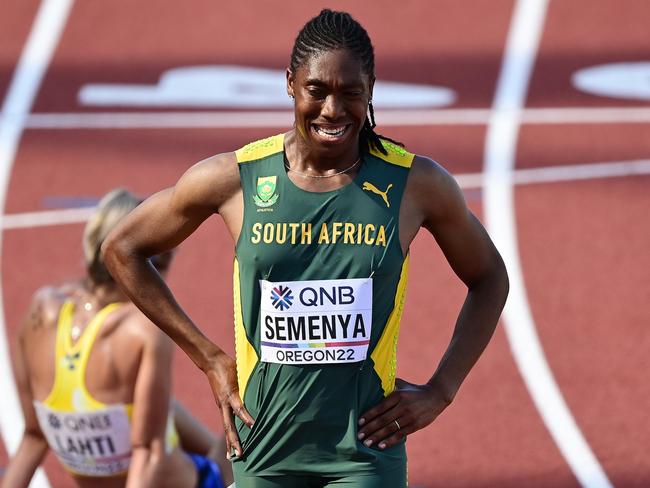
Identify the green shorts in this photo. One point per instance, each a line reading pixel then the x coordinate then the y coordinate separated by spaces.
pixel 393 479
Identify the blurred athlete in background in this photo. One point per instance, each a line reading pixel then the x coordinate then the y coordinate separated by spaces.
pixel 94 377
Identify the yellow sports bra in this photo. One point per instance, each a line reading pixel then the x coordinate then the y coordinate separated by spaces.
pixel 89 437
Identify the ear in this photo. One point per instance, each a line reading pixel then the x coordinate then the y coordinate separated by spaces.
pixel 290 79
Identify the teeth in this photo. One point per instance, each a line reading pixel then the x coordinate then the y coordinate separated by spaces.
pixel 331 132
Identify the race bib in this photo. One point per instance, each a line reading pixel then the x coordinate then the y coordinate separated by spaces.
pixel 89 443
pixel 316 322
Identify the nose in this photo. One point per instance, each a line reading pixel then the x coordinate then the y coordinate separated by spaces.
pixel 332 107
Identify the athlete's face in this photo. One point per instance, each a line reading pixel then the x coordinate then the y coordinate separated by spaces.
pixel 331 94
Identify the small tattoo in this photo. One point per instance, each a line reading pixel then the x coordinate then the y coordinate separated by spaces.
pixel 36 319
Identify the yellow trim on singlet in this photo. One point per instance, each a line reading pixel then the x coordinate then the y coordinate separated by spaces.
pixel 69 392
pixel 244 350
pixel 396 155
pixel 385 353
pixel 271 145
pixel 260 149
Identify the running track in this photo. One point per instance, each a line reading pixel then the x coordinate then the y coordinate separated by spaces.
pixel 560 397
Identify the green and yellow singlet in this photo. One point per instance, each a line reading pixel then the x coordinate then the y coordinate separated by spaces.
pixel 319 284
pixel 89 437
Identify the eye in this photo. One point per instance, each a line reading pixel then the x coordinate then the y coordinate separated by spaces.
pixel 316 92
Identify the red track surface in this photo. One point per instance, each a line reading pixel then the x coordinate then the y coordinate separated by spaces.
pixel 583 244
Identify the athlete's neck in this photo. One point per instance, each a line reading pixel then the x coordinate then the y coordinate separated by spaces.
pixel 102 294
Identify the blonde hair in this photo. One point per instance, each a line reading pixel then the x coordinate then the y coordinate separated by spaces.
pixel 110 210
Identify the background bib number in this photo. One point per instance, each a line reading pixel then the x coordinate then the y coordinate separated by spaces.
pixel 93 443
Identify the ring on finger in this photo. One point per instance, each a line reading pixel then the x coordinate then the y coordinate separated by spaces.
pixel 397 423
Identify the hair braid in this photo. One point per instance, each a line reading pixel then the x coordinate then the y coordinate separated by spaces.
pixel 332 30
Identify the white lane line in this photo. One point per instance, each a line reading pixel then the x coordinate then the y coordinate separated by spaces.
pixel 275 119
pixel 549 174
pixel 553 174
pixel 595 115
pixel 45 218
pixel 501 143
pixel 35 58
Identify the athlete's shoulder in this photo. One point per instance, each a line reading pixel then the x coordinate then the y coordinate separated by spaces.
pixel 260 149
pixel 132 324
pixel 434 190
pixel 214 165
pixel 431 178
pixel 129 335
pixel 43 312
pixel 430 170
pixel 206 185
pixel 395 154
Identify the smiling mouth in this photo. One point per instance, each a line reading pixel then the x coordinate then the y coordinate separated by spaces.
pixel 331 132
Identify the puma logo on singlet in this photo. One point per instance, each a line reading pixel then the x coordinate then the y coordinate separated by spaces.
pixel 383 194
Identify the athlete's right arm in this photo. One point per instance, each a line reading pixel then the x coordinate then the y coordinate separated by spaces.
pixel 33 445
pixel 159 224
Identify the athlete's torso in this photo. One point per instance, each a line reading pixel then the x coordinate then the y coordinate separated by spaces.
pixel 319 287
pixel 91 438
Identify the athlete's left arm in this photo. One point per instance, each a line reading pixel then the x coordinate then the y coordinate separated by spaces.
pixel 433 200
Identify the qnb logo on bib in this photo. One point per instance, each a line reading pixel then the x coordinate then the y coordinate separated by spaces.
pixel 281 297
pixel 316 322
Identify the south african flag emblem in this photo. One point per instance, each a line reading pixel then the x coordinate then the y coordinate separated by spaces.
pixel 266 195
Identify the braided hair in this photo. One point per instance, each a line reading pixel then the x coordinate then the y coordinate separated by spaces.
pixel 332 30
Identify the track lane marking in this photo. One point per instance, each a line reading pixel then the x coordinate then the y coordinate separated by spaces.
pixel 27 220
pixel 556 174
pixel 549 174
pixel 498 197
pixel 280 118
pixel 34 59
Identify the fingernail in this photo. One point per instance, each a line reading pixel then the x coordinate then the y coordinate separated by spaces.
pixel 362 421
pixel 382 446
pixel 361 435
pixel 368 443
